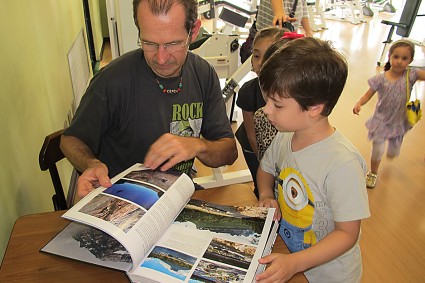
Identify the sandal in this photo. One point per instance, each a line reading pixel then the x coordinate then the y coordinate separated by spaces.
pixel 371 180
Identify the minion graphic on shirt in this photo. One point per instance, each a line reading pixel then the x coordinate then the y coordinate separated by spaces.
pixel 297 205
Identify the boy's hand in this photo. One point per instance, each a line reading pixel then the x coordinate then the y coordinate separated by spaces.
pixel 271 202
pixel 281 268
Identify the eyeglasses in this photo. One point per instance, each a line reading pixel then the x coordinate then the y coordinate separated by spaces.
pixel 171 47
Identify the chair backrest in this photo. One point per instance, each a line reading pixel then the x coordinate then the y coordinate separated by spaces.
pixel 51 153
pixel 408 16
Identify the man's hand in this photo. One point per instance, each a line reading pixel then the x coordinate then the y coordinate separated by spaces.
pixel 170 150
pixel 270 202
pixel 92 177
pixel 281 268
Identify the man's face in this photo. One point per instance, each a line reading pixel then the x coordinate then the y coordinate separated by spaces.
pixel 164 29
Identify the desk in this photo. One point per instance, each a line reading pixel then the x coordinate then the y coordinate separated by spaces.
pixel 23 262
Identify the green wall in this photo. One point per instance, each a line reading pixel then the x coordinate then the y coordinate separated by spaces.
pixel 36 94
pixel 103 18
pixel 96 22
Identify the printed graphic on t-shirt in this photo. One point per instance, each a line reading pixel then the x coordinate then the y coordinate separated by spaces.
pixel 186 122
pixel 296 202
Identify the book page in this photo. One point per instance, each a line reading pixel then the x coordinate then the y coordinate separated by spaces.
pixel 137 208
pixel 208 243
pixel 268 248
pixel 88 244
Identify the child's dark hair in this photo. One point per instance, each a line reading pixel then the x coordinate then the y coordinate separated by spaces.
pixel 308 70
pixel 396 44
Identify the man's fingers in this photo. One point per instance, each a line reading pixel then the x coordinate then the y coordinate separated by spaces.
pixel 170 163
pixel 156 157
pixel 104 182
pixel 92 177
pixel 168 151
pixel 84 187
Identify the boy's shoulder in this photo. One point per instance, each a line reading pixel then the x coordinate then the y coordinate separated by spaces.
pixel 340 150
pixel 336 148
pixel 338 141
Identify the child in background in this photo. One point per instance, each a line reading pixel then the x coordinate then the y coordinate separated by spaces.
pixel 389 122
pixel 250 99
pixel 264 131
pixel 316 174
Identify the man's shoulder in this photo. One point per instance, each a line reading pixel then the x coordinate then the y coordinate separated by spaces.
pixel 124 62
pixel 201 68
pixel 122 69
pixel 197 61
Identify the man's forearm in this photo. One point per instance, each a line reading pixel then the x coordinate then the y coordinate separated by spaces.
pixel 77 152
pixel 218 153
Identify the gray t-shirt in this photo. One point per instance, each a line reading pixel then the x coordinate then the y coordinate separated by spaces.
pixel 316 186
pixel 124 111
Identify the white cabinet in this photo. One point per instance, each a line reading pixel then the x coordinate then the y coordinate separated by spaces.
pixel 123 32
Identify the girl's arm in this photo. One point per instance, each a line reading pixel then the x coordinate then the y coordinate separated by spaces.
pixel 421 74
pixel 363 100
pixel 248 121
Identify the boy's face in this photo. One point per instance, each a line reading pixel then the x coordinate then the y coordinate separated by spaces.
pixel 258 51
pixel 285 114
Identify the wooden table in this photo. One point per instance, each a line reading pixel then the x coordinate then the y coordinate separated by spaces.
pixel 23 262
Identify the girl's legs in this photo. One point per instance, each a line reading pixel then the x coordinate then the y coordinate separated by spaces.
pixel 374 166
pixel 378 148
pixel 394 146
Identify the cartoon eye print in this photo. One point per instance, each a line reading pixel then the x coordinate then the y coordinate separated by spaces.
pixel 294 192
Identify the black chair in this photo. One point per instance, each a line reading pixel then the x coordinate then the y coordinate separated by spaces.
pixel 404 26
pixel 50 154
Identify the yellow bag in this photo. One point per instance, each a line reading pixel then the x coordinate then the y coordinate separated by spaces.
pixel 413 108
pixel 414 111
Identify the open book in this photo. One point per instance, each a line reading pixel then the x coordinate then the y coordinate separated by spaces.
pixel 146 225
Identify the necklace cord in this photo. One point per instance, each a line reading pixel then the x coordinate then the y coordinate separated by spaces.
pixel 170 90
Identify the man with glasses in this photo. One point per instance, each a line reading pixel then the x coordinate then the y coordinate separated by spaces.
pixel 151 105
